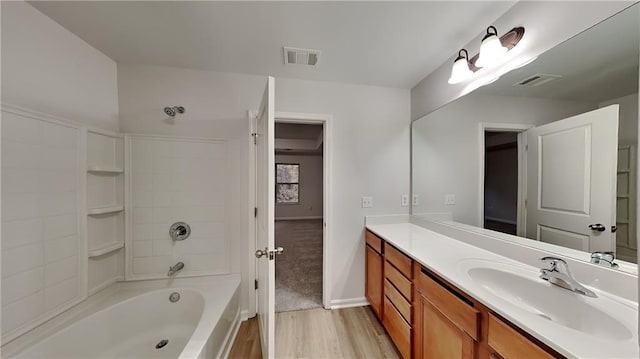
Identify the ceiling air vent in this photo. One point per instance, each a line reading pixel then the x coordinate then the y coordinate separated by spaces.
pixel 306 57
pixel 536 80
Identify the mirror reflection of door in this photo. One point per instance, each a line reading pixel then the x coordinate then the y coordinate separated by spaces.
pixel 567 194
pixel 571 187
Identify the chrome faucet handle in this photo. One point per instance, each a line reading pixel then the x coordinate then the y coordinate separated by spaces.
pixel 556 264
pixel 604 259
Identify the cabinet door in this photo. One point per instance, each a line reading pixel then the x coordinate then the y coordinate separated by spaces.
pixel 373 280
pixel 436 337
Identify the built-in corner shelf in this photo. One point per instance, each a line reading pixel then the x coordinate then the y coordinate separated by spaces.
pixel 107 248
pixel 105 169
pixel 104 210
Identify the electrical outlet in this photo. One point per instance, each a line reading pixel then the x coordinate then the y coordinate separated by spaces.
pixel 404 202
pixel 415 200
pixel 367 202
pixel 449 199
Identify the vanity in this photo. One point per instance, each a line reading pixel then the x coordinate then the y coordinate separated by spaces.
pixel 522 239
pixel 438 297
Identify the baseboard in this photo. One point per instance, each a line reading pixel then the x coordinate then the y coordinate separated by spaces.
pixel 297 218
pixel 231 337
pixel 244 315
pixel 349 303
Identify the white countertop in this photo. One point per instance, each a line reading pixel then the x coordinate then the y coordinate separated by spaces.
pixel 446 257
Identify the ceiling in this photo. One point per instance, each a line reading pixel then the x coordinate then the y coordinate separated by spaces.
pixel 298 139
pixel 596 65
pixel 394 44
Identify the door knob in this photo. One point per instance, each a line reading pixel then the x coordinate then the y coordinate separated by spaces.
pixel 261 252
pixel 597 227
pixel 272 254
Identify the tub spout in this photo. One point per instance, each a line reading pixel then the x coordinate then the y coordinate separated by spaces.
pixel 175 268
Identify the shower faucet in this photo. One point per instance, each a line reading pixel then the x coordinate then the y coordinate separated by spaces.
pixel 175 269
pixel 173 110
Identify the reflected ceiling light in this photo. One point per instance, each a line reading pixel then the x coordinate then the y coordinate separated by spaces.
pixel 461 69
pixel 491 49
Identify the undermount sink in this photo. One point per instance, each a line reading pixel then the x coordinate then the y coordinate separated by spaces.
pixel 521 288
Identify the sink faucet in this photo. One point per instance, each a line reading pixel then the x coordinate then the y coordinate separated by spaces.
pixel 604 259
pixel 558 273
pixel 175 268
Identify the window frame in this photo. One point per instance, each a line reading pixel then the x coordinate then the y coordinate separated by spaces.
pixel 279 183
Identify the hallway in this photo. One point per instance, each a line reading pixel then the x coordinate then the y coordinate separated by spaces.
pixel 299 268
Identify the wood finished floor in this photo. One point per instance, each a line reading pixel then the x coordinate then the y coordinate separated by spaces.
pixel 319 333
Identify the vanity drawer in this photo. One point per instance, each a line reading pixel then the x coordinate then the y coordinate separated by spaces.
pixel 374 241
pixel 402 304
pixel 398 329
pixel 399 260
pixel 507 342
pixel 456 308
pixel 398 280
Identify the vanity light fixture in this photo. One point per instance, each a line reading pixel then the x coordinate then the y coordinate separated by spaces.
pixel 493 50
pixel 461 68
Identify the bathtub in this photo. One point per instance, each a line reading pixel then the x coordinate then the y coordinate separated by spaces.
pixel 139 320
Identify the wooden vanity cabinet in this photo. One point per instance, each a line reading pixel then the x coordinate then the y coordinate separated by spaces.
pixel 427 317
pixel 389 290
pixel 507 342
pixel 446 323
pixel 398 303
pixel 373 272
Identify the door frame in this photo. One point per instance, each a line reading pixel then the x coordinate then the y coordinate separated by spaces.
pixel 298 118
pixel 519 128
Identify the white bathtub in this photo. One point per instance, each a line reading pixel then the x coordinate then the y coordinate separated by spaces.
pixel 130 319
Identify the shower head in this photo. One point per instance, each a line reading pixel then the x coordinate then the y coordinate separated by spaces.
pixel 171 111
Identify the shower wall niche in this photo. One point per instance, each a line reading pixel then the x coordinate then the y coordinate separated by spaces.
pixel 171 179
pixel 105 208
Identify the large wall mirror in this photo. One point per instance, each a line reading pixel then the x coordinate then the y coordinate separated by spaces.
pixel 548 152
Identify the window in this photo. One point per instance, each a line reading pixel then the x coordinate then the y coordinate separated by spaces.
pixel 287 183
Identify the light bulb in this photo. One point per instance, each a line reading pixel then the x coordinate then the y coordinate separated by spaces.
pixel 491 49
pixel 460 70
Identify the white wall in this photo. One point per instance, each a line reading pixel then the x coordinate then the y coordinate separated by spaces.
pixel 216 107
pixel 175 180
pixel 310 195
pixel 547 24
pixel 370 147
pixel 43 245
pixel 628 120
pixel 48 69
pixel 446 147
pixel 369 157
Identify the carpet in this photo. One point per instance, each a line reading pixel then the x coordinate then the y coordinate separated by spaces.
pixel 299 267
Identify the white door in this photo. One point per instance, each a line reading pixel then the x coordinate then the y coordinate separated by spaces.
pixel 265 204
pixel 571 172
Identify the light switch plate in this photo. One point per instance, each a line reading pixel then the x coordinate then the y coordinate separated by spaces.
pixel 415 200
pixel 367 202
pixel 449 199
pixel 404 202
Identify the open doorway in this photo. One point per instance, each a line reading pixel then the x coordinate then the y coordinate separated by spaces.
pixel 299 215
pixel 503 177
pixel 501 181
